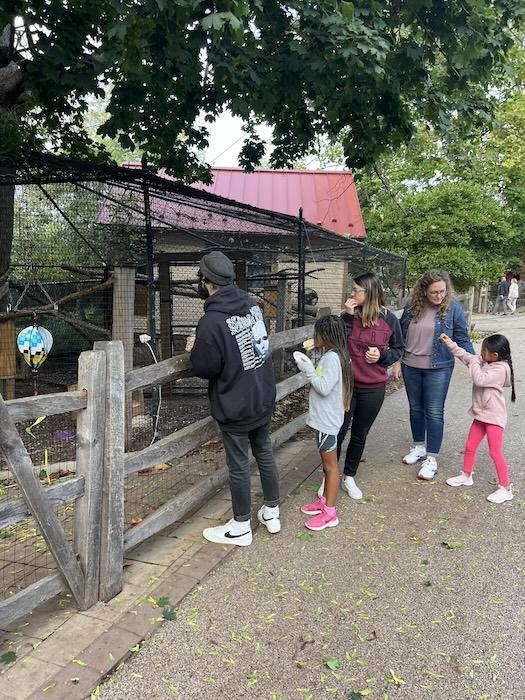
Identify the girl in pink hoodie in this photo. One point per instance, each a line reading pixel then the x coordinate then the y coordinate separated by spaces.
pixel 490 373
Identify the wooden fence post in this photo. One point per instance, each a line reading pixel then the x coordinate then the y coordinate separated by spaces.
pixel 90 460
pixel 112 526
pixel 124 324
pixel 470 308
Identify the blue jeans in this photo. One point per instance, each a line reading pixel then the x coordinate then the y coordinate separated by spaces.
pixel 427 390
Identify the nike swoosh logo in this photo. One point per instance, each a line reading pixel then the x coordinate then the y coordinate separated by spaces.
pixel 266 519
pixel 232 537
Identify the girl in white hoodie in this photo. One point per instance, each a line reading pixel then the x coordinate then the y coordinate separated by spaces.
pixel 490 372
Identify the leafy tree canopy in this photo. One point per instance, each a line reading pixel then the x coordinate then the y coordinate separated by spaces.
pixel 368 69
pixel 456 226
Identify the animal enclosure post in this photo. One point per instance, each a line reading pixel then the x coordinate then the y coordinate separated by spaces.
pixel 123 325
pixel 112 525
pixel 90 463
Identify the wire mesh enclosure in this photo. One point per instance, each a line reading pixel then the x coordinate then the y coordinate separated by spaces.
pixel 92 252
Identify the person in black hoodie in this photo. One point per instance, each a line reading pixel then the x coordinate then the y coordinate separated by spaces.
pixel 231 350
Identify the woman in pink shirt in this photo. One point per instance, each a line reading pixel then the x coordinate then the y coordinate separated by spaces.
pixel 490 373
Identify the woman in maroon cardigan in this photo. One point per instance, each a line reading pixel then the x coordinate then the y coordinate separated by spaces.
pixel 374 343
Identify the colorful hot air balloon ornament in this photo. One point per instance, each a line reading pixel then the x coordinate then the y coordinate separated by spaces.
pixel 34 342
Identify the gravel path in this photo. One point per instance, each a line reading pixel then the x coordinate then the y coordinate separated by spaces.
pixel 378 607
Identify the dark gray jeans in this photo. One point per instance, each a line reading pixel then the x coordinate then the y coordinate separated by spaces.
pixel 236 446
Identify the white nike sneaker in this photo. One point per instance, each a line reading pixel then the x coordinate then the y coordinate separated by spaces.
pixel 416 453
pixel 269 517
pixel 352 489
pixel 231 533
pixel 428 469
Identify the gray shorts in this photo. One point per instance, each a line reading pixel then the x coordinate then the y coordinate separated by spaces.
pixel 325 441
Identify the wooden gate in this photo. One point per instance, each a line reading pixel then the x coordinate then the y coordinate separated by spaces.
pixel 78 563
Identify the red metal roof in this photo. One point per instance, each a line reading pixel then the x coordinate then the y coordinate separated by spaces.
pixel 328 198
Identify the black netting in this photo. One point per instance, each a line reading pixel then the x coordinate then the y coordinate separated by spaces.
pixel 101 252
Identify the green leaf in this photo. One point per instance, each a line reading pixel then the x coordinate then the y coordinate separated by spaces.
pixel 305 536
pixel 79 662
pixel 169 613
pixel 347 10
pixel 332 664
pixel 163 601
pixel 453 543
pixel 8 657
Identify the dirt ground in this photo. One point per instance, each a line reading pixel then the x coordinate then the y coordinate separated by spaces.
pixel 417 594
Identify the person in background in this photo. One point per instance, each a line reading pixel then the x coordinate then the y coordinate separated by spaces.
pixel 231 350
pixel 491 372
pixel 374 343
pixel 502 297
pixel 513 296
pixel 330 395
pixel 427 364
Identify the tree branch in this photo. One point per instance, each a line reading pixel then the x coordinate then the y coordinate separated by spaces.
pixel 59 302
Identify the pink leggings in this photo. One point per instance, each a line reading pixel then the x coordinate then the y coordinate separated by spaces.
pixel 494 434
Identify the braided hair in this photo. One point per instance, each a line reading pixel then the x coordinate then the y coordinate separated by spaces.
pixel 499 344
pixel 330 332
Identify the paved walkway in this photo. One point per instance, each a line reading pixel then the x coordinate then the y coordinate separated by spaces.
pixel 419 593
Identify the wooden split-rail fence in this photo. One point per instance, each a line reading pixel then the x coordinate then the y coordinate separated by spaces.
pixel 91 566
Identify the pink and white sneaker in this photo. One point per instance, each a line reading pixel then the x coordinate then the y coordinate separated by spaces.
pixel 314 508
pixel 501 494
pixel 324 519
pixel 461 480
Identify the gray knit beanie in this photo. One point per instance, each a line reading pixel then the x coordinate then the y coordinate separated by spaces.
pixel 217 268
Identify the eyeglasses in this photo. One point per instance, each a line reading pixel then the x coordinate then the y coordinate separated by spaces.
pixel 357 290
pixel 440 293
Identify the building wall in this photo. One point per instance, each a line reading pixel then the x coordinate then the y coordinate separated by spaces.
pixel 331 284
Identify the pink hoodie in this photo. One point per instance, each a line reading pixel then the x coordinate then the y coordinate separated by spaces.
pixel 489 379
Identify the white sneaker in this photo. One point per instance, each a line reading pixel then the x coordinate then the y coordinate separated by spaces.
pixel 461 480
pixel 352 489
pixel 320 490
pixel 428 469
pixel 269 517
pixel 231 533
pixel 416 453
pixel 501 495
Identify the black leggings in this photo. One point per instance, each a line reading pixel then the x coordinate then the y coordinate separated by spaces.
pixel 366 404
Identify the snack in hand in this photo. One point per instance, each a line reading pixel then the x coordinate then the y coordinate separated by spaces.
pixel 309 345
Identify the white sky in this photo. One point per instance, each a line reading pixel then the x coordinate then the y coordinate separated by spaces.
pixel 226 140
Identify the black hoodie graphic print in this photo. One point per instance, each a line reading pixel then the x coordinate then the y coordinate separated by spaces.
pixel 232 351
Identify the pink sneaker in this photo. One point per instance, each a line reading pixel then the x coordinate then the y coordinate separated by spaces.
pixel 315 507
pixel 324 519
pixel 501 494
pixel 461 480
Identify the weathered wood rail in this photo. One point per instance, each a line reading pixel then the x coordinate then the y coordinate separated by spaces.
pixel 91 567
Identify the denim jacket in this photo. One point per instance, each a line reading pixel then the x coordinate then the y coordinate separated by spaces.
pixel 454 325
